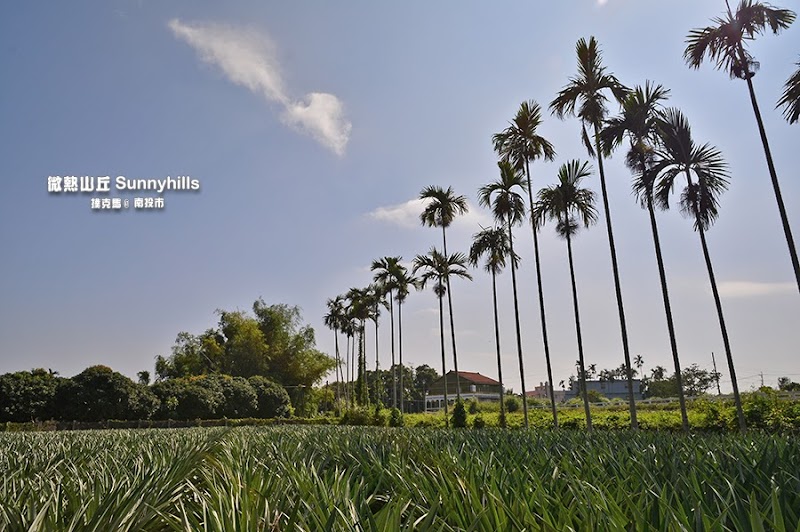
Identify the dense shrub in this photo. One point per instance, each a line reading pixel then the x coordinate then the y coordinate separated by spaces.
pixel 459 415
pixel 396 418
pixel 512 404
pixel 273 401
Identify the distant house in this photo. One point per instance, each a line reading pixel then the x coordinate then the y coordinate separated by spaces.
pixel 543 392
pixel 473 386
pixel 616 389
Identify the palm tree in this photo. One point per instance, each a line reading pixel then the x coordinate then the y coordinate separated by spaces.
pixel 495 245
pixel 359 308
pixel 375 297
pixel 508 208
pixel 569 206
pixel 791 97
pixel 442 208
pixel 678 155
pixel 639 123
pixel 724 42
pixel 334 320
pixel 386 271
pixel 520 143
pixel 438 268
pixel 402 282
pixel 588 89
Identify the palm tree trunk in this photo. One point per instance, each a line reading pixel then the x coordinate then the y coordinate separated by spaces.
pixel 452 327
pixel 394 369
pixel 444 368
pixel 618 291
pixel 736 397
pixel 668 310
pixel 400 345
pixel 378 399
pixel 516 322
pixel 580 338
pixel 541 298
pixel 338 366
pixel 497 343
pixel 787 230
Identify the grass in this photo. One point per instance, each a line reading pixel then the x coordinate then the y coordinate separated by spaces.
pixel 367 478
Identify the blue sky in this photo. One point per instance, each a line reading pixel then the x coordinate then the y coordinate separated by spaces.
pixel 312 126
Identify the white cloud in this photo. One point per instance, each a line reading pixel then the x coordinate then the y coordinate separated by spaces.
pixel 249 59
pixel 602 2
pixel 754 289
pixel 407 215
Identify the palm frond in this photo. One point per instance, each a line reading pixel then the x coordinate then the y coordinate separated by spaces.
pixel 790 99
pixel 442 207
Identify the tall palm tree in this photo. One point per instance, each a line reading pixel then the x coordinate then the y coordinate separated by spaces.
pixel 359 308
pixel 520 144
pixel 438 268
pixel 403 280
pixel 495 245
pixel 639 124
pixel 508 208
pixel 569 205
pixel 790 99
pixel 724 42
pixel 588 91
pixel 386 271
pixel 334 320
pixel 375 298
pixel 442 208
pixel 679 156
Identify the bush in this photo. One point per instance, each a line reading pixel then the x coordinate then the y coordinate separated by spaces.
pixel 273 401
pixel 473 406
pixel 512 404
pixel 396 418
pixel 478 422
pixel 459 416
pixel 359 416
pixel 379 417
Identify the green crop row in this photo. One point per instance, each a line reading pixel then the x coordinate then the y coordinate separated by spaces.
pixel 366 478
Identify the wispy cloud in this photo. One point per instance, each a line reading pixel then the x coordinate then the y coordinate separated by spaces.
pixel 754 289
pixel 248 58
pixel 602 2
pixel 407 215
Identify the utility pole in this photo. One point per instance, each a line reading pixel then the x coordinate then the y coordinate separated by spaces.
pixel 762 379
pixel 716 375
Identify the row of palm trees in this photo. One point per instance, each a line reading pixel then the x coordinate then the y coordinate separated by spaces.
pixel 660 151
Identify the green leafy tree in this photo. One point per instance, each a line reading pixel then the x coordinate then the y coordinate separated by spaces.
pixel 679 156
pixel 521 144
pixel 790 99
pixel 586 96
pixel 271 398
pixel 569 205
pixel 29 395
pixel 98 393
pixel 441 209
pixel 493 243
pixel 724 42
pixel 185 398
pixel 508 209
pixel 424 376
